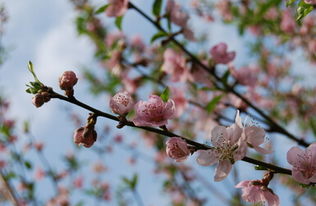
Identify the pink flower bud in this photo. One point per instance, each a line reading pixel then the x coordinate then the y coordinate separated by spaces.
pixel 40 98
pixel 177 149
pixel 121 103
pixel 221 55
pixel 154 112
pixel 85 136
pixel 67 80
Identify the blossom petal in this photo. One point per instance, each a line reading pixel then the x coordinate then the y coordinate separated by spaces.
pixel 254 135
pixel 222 170
pixel 298 176
pixel 292 155
pixel 207 157
pixel 271 199
pixel 219 135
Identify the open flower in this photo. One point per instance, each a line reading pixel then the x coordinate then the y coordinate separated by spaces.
pixel 117 8
pixel 177 149
pixel 255 191
pixel 253 135
pixel 154 112
pixel 221 55
pixel 304 163
pixel 121 103
pixel 228 148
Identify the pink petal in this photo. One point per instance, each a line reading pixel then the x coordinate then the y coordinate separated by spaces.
pixel 271 199
pixel 207 157
pixel 243 184
pixel 222 170
pixel 255 135
pixel 263 150
pixel 219 135
pixel 312 151
pixel 233 133
pixel 292 155
pixel 298 176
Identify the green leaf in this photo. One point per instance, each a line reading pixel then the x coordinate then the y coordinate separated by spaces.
pixel 212 104
pixel 290 2
pixel 225 76
pixel 31 69
pixel 101 9
pixel 10 176
pixel 165 94
pixel 303 9
pixel 157 36
pixel 157 7
pixel 134 182
pixel 28 164
pixel 118 22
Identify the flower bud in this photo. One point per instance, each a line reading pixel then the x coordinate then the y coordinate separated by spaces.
pixel 121 103
pixel 67 80
pixel 40 98
pixel 177 149
pixel 85 136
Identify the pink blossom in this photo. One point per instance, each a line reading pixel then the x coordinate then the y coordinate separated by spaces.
pixel 221 55
pixel 179 100
pixel 85 136
pixel 78 182
pixel 228 148
pixel 177 15
pixel 121 103
pixel 245 75
pixel 253 135
pixel 310 1
pixel 39 174
pixel 175 65
pixel 117 8
pixel 257 192
pixel 154 112
pixel 67 80
pixel 287 23
pixel 176 148
pixel 113 38
pixel 304 163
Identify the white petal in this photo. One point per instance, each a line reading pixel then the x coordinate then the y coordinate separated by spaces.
pixel 207 157
pixel 238 120
pixel 219 136
pixel 292 155
pixel 222 170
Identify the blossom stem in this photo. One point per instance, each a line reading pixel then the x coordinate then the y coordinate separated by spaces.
pixel 198 146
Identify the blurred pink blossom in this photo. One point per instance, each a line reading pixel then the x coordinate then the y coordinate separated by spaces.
pixel 245 75
pixel 154 112
pixel 304 163
pixel 117 8
pixel 179 99
pixel 288 23
pixel 221 55
pixel 256 192
pixel 175 65
pixel 310 1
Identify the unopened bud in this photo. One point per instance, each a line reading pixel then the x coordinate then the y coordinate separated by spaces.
pixel 67 80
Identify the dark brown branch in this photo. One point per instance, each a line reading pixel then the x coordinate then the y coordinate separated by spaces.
pixel 198 146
